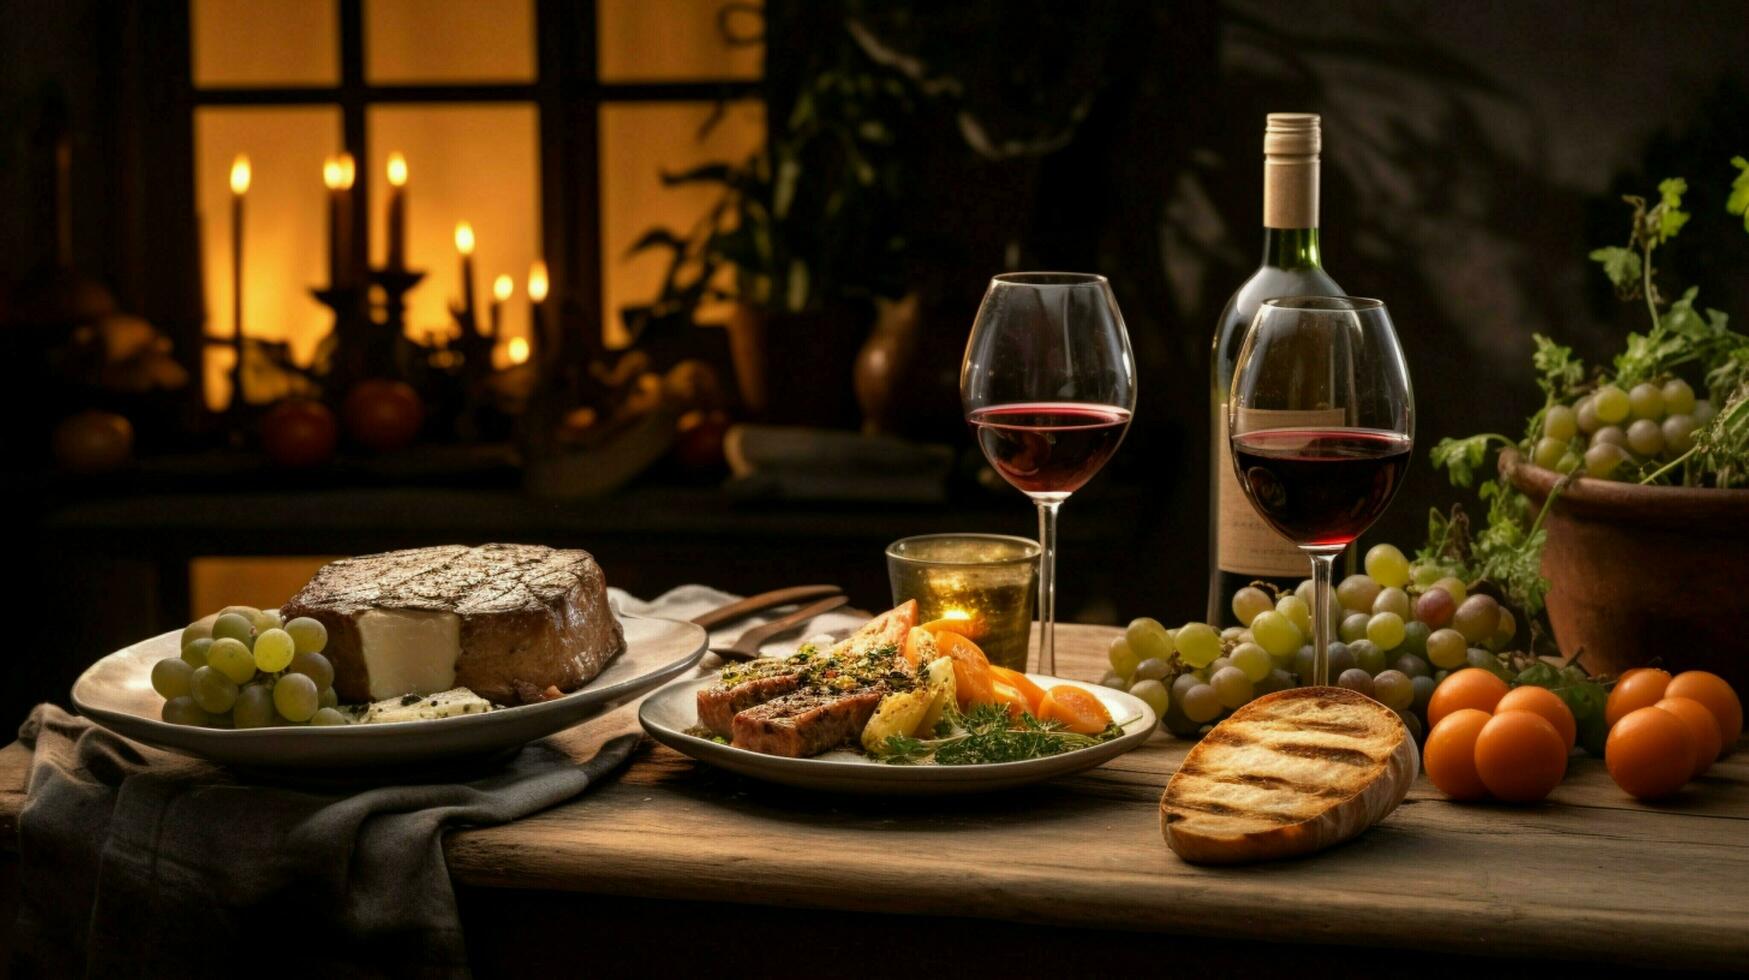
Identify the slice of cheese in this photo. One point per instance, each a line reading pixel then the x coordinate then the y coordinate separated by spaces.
pixel 444 704
pixel 409 651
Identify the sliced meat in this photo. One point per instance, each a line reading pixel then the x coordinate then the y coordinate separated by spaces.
pixel 719 704
pixel 806 722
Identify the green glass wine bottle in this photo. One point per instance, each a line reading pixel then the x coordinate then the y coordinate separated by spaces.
pixel 1242 548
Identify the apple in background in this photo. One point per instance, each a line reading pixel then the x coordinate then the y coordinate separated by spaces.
pixel 383 415
pixel 299 432
pixel 698 442
pixel 93 441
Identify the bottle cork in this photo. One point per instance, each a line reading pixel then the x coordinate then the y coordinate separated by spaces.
pixel 1291 143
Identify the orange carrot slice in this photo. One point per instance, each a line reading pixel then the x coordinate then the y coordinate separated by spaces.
pixel 1075 709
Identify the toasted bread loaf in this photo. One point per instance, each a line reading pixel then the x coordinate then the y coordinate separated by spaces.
pixel 1290 773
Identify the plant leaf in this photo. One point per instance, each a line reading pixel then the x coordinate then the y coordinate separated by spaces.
pixel 1621 265
pixel 1738 202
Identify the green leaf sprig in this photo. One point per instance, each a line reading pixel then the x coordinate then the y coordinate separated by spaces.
pixel 986 734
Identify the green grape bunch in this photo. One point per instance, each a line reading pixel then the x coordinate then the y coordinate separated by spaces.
pixel 247 669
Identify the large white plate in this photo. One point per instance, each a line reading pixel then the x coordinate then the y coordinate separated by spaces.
pixel 116 692
pixel 668 713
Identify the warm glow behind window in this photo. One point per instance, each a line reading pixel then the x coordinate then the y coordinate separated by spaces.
pixel 465 163
pixel 669 40
pixel 285 250
pixel 639 143
pixel 264 42
pixel 449 41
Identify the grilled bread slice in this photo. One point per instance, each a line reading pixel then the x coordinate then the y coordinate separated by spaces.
pixel 1290 773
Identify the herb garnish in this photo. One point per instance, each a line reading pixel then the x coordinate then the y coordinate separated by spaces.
pixel 987 734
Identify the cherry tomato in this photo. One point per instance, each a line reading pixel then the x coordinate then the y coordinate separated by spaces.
pixel 1520 756
pixel 1471 687
pixel 1701 724
pixel 1711 690
pixel 1650 753
pixel 1636 689
pixel 1546 703
pixel 1075 709
pixel 1450 754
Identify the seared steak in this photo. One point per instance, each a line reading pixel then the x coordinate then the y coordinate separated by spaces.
pixel 499 619
pixel 738 689
pixel 806 722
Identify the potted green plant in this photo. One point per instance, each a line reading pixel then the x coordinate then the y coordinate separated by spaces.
pixel 1624 505
pixel 804 238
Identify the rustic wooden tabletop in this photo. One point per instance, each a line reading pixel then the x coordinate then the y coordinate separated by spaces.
pixel 1588 875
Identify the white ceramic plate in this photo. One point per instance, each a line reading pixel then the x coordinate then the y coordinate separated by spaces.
pixel 116 692
pixel 668 713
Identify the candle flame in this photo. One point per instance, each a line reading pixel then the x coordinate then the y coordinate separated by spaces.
pixel 240 174
pixel 464 238
pixel 348 171
pixel 537 281
pixel 502 287
pixel 338 172
pixel 518 350
pixel 956 614
pixel 397 169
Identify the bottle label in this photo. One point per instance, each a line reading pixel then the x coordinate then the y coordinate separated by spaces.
pixel 1247 545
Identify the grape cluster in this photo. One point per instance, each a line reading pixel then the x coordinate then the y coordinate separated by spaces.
pixel 1612 433
pixel 249 670
pixel 1400 628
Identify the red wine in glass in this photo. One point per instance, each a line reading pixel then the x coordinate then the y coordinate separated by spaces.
pixel 1049 447
pixel 1320 488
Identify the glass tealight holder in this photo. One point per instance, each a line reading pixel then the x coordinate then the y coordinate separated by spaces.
pixel 987 580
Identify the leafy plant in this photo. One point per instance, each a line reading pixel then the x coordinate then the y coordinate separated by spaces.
pixel 1508 549
pixel 809 219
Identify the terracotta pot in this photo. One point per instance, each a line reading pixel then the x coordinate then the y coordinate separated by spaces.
pixel 884 359
pixel 1642 573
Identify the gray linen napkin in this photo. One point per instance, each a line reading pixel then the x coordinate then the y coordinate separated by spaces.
pixel 136 862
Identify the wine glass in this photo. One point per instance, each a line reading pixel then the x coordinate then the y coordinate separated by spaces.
pixel 1048 385
pixel 1321 420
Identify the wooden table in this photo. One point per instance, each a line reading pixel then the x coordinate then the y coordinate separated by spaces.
pixel 672 857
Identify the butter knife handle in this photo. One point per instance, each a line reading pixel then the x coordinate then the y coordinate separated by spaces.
pixel 764 600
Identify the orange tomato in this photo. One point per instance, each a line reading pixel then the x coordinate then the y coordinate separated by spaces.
pixel 971 669
pixel 920 646
pixel 1471 687
pixel 1075 709
pixel 1650 753
pixel 1022 683
pixel 1701 724
pixel 1520 757
pixel 1635 690
pixel 972 627
pixel 1712 691
pixel 1546 703
pixel 1007 694
pixel 1450 754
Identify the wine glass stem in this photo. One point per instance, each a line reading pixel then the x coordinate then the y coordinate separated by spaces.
pixel 1047 586
pixel 1322 567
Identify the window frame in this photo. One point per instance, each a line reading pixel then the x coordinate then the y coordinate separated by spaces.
pixel 567 94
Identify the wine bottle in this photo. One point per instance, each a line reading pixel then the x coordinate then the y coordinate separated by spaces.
pixel 1242 548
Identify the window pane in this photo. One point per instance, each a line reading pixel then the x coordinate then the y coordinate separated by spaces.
pixel 638 144
pixel 285 251
pixel 264 42
pixel 464 163
pixel 448 41
pixel 671 40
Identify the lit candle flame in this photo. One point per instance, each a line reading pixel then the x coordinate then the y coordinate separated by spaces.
pixel 518 350
pixel 397 169
pixel 502 287
pixel 338 172
pixel 240 175
pixel 537 281
pixel 956 614
pixel 464 238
